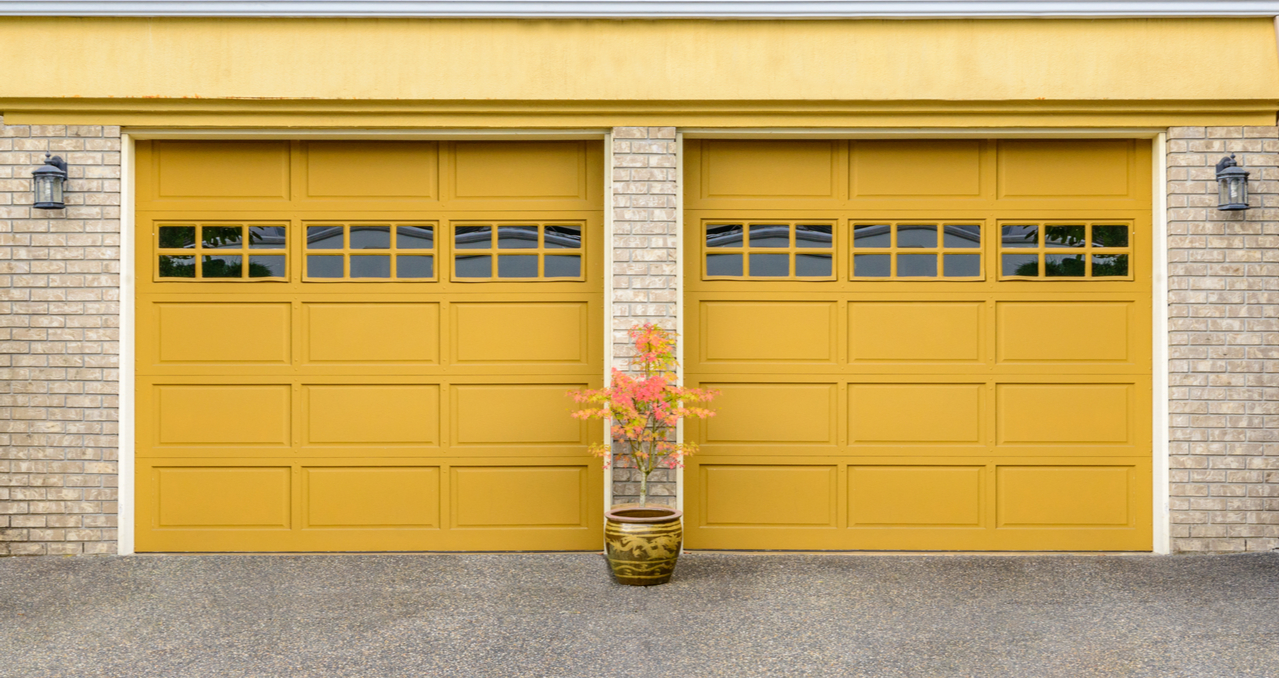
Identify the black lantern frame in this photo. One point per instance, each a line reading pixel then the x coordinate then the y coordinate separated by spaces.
pixel 49 180
pixel 1233 185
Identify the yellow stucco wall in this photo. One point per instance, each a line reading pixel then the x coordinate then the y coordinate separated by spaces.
pixel 1151 64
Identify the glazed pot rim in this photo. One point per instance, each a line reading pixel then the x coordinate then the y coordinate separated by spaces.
pixel 665 514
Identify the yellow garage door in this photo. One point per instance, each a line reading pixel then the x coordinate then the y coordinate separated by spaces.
pixel 351 345
pixel 920 344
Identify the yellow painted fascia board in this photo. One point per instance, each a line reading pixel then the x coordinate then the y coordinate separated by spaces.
pixel 274 113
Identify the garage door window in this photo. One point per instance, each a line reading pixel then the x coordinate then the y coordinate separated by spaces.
pixel 924 251
pixel 1041 250
pixel 221 251
pixel 370 252
pixel 769 250
pixel 517 251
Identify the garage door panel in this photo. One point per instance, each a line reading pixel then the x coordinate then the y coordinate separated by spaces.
pixel 224 335
pixel 907 414
pixel 521 334
pixel 741 332
pixel 1065 496
pixel 234 171
pixel 1066 333
pixel 222 498
pixel 372 170
pixel 534 170
pixel 515 415
pixel 939 168
pixel 371 333
pixel 363 415
pixel 514 496
pixel 379 497
pixel 916 331
pixel 222 415
pixel 1065 414
pixel 762 171
pixel 772 414
pixel 916 496
pixel 768 496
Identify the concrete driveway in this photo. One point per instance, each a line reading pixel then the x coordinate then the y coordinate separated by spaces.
pixel 560 615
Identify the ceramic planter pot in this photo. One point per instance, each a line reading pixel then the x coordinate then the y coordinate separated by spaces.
pixel 642 543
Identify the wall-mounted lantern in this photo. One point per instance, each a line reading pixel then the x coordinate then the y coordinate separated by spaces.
pixel 49 179
pixel 1233 185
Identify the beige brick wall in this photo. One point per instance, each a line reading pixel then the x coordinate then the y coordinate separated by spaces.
pixel 59 344
pixel 1222 344
pixel 646 190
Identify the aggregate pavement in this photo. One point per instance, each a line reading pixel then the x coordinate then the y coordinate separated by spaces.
pixel 740 615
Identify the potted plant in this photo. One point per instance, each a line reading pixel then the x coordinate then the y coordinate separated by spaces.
pixel 642 542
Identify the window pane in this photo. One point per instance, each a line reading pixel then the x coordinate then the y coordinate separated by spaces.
pixel 561 266
pixel 266 267
pixel 473 266
pixel 724 264
pixel 962 265
pixel 871 236
pixel 566 237
pixel 915 235
pixel 267 237
pixel 220 237
pixel 770 265
pixel 1110 236
pixel 725 236
pixel 415 237
pixel 414 267
pixel 517 238
pixel 324 238
pixel 518 267
pixel 813 236
pixel 1018 236
pixel 1020 264
pixel 177 237
pixel 370 237
pixel 917 265
pixel 324 267
pixel 178 267
pixel 1064 236
pixel 364 266
pixel 769 235
pixel 220 267
pixel 962 236
pixel 1064 266
pixel 871 265
pixel 1108 265
pixel 813 265
pixel 472 238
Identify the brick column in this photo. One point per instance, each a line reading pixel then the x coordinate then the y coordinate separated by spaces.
pixel 646 190
pixel 59 343
pixel 1222 344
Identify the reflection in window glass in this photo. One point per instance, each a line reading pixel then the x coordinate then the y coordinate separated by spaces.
pixel 725 236
pixel 415 238
pixel 962 265
pixel 724 264
pixel 220 267
pixel 563 237
pixel 1019 264
pixel 371 238
pixel 324 237
pixel 914 235
pixel 871 236
pixel 266 267
pixel 962 236
pixel 769 235
pixel 266 238
pixel 220 238
pixel 917 265
pixel 770 265
pixel 1064 266
pixel 473 266
pixel 1110 236
pixel 1019 236
pixel 870 265
pixel 177 237
pixel 561 266
pixel 365 266
pixel 813 236
pixel 324 267
pixel 409 266
pixel 1064 236
pixel 177 267
pixel 517 238
pixel 1110 265
pixel 813 265
pixel 472 238
pixel 517 267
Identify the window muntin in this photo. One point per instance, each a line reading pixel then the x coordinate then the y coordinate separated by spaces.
pixel 221 251
pixel 917 251
pixel 498 251
pixel 1079 250
pixel 769 250
pixel 369 252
